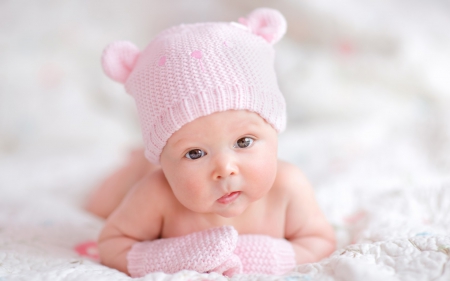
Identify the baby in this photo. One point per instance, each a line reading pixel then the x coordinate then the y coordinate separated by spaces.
pixel 216 198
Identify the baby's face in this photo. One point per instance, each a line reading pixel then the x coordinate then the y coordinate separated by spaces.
pixel 222 162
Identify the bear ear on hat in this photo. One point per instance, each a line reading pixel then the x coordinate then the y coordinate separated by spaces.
pixel 267 23
pixel 119 59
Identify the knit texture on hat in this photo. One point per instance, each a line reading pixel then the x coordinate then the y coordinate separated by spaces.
pixel 189 71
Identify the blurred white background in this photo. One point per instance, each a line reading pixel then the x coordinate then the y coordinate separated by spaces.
pixel 367 85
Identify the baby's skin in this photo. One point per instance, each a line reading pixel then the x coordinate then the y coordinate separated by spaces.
pixel 220 169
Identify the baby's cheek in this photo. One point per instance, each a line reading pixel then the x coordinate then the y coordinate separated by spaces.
pixel 191 189
pixel 261 174
pixel 266 159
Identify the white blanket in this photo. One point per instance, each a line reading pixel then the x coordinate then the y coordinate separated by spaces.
pixel 391 233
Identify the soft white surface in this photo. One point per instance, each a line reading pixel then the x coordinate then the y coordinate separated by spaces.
pixel 368 98
pixel 397 234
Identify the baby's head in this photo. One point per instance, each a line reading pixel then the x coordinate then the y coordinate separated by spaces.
pixel 222 162
pixel 196 70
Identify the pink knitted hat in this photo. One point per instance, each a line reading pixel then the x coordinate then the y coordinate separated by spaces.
pixel 193 70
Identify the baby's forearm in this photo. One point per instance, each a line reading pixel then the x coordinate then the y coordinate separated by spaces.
pixel 203 251
pixel 312 249
pixel 113 252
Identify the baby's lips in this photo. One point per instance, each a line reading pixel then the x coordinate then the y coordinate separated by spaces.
pixel 228 198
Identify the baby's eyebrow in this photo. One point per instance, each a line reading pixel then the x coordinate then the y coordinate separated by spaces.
pixel 179 142
pixel 243 127
pixel 182 140
pixel 252 124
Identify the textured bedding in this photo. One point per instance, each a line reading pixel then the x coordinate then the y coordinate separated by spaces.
pixel 397 233
pixel 401 235
pixel 369 124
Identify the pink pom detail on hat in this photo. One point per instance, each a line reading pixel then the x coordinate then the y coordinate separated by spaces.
pixel 193 70
pixel 118 60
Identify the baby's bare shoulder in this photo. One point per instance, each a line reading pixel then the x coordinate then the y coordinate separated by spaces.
pixel 290 180
pixel 154 183
pixel 303 215
pixel 140 214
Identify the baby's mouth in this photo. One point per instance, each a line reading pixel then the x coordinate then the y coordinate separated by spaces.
pixel 228 198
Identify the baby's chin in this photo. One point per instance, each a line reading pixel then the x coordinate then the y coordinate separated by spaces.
pixel 238 207
pixel 233 210
pixel 231 213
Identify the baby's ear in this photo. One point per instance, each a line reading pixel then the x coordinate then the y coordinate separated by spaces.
pixel 118 60
pixel 267 23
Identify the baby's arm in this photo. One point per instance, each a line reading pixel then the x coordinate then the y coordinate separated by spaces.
pixel 130 240
pixel 116 186
pixel 138 218
pixel 310 234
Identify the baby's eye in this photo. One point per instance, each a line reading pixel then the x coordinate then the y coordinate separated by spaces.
pixel 195 154
pixel 244 142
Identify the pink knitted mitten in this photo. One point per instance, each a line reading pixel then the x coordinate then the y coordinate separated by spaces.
pixel 264 254
pixel 204 251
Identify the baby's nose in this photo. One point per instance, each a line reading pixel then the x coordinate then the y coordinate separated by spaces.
pixel 224 166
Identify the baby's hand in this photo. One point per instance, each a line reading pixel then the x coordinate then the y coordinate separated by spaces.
pixel 264 254
pixel 204 251
pixel 230 267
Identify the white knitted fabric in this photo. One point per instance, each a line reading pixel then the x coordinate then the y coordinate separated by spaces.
pixel 189 71
pixel 204 251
